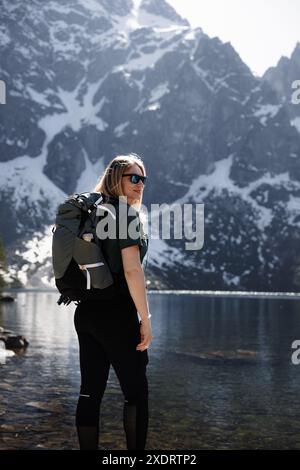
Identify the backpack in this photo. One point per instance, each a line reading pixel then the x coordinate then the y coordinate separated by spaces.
pixel 80 269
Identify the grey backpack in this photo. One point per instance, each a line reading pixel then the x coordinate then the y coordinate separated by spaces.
pixel 80 269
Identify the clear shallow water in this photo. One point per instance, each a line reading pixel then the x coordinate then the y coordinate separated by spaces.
pixel 220 376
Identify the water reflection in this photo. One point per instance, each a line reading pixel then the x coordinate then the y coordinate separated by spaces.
pixel 220 375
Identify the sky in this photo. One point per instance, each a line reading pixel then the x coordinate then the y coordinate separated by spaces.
pixel 261 31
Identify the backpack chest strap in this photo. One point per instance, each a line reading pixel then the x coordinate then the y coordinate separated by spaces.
pixel 84 267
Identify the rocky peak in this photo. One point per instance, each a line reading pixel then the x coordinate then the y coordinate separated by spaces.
pixel 281 78
pixel 162 9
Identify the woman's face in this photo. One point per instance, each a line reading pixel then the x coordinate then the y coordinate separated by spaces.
pixel 134 192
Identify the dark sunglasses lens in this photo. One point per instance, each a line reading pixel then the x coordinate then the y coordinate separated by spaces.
pixel 136 178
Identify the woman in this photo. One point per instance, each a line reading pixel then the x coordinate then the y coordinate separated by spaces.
pixel 110 332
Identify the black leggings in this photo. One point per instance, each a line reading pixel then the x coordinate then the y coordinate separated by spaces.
pixel 108 333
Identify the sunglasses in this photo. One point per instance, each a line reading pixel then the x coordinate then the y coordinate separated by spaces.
pixel 135 179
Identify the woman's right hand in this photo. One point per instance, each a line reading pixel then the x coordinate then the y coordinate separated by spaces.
pixel 146 334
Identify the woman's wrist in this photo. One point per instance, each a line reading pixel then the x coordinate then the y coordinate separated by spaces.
pixel 145 317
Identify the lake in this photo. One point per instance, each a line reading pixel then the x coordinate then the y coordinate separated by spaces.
pixel 220 375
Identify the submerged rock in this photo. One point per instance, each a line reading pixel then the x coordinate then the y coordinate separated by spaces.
pixel 16 342
pixel 10 344
pixel 6 298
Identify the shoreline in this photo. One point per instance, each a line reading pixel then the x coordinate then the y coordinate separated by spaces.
pixel 203 293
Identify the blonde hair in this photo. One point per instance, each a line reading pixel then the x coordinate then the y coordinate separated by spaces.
pixel 110 183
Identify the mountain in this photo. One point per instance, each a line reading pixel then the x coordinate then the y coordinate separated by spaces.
pixel 90 79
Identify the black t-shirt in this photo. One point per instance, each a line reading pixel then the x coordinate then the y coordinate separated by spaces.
pixel 132 233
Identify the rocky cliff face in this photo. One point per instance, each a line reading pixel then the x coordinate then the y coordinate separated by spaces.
pixel 284 78
pixel 87 80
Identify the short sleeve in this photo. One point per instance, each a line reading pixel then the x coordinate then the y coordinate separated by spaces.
pixel 129 229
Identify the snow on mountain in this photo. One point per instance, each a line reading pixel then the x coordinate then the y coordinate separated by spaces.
pixel 120 128
pixel 220 180
pixel 90 176
pixel 35 257
pixel 28 189
pixel 265 111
